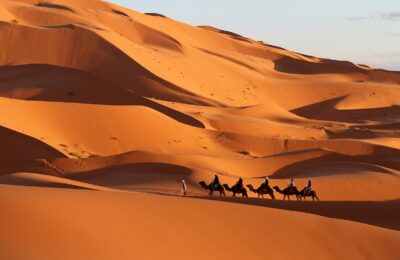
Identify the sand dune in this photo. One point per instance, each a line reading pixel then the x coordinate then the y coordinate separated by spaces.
pixel 19 145
pixel 383 214
pixel 96 99
pixel 39 180
pixel 120 230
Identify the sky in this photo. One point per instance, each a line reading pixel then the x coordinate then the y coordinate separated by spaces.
pixel 362 31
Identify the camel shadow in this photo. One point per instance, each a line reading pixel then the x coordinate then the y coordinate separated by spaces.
pixel 376 213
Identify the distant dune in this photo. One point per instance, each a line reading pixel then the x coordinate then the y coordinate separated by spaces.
pixel 104 110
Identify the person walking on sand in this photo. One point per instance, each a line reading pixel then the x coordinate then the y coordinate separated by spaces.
pixel 183 188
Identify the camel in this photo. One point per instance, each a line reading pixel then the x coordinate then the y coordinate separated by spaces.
pixel 311 193
pixel 288 192
pixel 262 190
pixel 236 189
pixel 212 189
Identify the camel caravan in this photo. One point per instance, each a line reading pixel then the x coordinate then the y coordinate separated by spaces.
pixel 264 189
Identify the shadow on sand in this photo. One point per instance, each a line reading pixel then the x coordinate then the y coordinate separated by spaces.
pixel 378 213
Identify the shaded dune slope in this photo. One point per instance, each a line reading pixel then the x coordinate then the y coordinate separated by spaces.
pixel 39 180
pixel 382 214
pixel 19 145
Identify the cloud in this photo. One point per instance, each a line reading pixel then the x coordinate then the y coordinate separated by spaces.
pixel 389 16
pixel 357 18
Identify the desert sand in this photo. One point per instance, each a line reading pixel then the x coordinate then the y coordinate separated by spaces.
pixel 104 110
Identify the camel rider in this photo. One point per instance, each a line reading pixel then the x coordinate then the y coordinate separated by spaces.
pixel 215 183
pixel 239 183
pixel 308 188
pixel 291 185
pixel 266 183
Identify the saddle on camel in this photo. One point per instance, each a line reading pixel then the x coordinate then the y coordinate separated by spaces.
pixel 215 185
pixel 238 188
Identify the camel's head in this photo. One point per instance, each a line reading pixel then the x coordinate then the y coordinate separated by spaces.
pixel 276 188
pixel 202 184
pixel 250 187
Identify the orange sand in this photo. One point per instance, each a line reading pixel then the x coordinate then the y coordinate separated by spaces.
pixel 104 110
